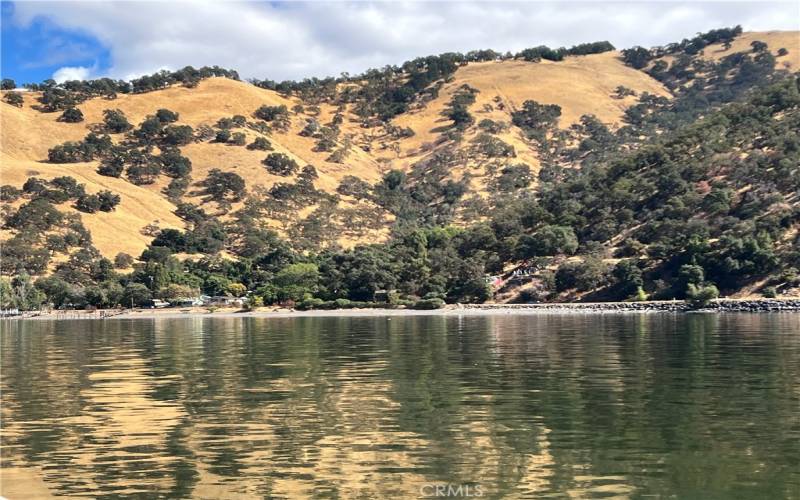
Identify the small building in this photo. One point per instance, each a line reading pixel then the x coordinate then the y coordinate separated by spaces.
pixel 186 302
pixel 157 304
pixel 223 300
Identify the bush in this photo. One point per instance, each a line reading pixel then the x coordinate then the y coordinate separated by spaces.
pixel 223 135
pixel 223 186
pixel 115 121
pixel 583 276
pixel 260 144
pixel 280 164
pixel 428 304
pixel 9 193
pixel 71 115
pixel 769 292
pixel 174 164
pixel 308 304
pixel 123 261
pixel 549 240
pixel 238 139
pixel 14 99
pixel 700 296
pixel 342 303
pixel 178 135
pixel 112 167
pixel 108 200
pixel 166 116
pixel 270 113
pixel 89 203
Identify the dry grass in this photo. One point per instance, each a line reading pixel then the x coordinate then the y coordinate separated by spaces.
pixel 789 40
pixel 580 85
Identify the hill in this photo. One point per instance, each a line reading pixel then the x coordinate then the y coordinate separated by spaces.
pixel 456 143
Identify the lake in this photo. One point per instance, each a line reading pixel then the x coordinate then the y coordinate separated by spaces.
pixel 697 406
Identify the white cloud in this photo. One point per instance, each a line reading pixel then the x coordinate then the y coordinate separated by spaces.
pixel 68 73
pixel 297 40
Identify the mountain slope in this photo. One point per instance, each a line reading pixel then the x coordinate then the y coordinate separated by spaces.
pixel 27 134
pixel 590 178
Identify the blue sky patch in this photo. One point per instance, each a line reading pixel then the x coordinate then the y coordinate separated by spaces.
pixel 32 53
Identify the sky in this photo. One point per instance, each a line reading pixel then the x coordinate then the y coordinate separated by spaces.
pixel 67 40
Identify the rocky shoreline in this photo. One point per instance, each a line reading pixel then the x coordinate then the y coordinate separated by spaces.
pixel 656 306
pixel 719 305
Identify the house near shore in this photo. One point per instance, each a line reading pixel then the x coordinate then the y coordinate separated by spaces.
pixel 223 300
pixel 186 302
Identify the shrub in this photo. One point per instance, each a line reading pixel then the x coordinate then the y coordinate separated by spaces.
pixel 223 135
pixel 308 304
pixel 108 200
pixel 136 295
pixel 549 240
pixel 583 276
pixel 260 144
pixel 769 292
pixel 270 113
pixel 700 296
pixel 427 304
pixel 166 116
pixel 69 186
pixel 112 167
pixel 342 303
pixel 115 121
pixel 14 99
pixel 123 261
pixel 280 164
pixel 178 135
pixel 238 138
pixel 174 164
pixel 223 186
pixel 535 116
pixel 89 203
pixel 9 193
pixel 71 115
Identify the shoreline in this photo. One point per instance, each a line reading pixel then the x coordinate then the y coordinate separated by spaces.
pixel 663 306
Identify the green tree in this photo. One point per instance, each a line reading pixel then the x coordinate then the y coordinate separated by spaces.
pixel 549 240
pixel 116 122
pixel 136 295
pixel 280 164
pixel 260 144
pixel 222 186
pixel 71 115
pixel 166 116
pixel 700 296
pixel 123 261
pixel 296 281
pixel 14 99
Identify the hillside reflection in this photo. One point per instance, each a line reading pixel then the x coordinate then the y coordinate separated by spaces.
pixel 525 406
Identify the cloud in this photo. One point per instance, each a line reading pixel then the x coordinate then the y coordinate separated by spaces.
pixel 297 40
pixel 68 73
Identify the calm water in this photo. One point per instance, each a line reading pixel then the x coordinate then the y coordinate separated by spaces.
pixel 582 406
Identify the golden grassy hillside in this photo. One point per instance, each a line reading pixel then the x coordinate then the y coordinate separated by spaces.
pixel 580 85
pixel 775 40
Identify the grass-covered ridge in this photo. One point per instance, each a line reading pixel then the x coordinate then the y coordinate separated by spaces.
pixel 461 194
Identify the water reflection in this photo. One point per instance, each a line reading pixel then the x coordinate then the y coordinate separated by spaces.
pixel 526 406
